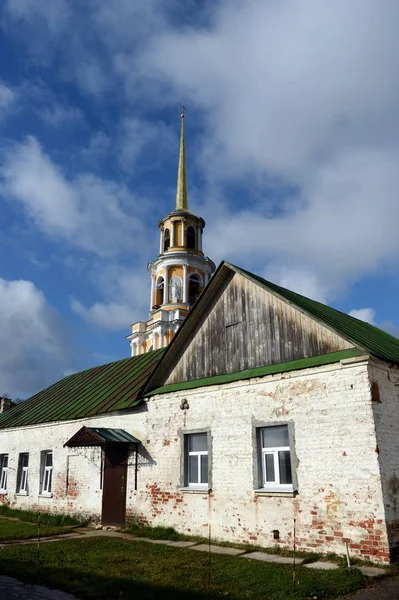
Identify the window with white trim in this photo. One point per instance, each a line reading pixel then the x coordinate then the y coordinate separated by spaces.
pixel 196 459
pixel 22 475
pixel 47 472
pixel 3 473
pixel 275 457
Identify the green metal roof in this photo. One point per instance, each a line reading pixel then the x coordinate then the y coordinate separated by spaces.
pixel 114 435
pixel 98 436
pixel 370 338
pixel 293 365
pixel 102 389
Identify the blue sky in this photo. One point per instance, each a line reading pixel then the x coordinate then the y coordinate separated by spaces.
pixel 292 143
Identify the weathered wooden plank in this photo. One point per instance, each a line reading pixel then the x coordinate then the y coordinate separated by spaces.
pixel 246 326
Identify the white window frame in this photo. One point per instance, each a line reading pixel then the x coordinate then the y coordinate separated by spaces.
pixel 274 486
pixel 47 474
pixel 3 473
pixel 200 454
pixel 23 474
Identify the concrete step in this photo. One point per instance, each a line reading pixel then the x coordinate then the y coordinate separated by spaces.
pixel 273 558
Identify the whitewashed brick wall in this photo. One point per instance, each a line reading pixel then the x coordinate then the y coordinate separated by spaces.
pixel 340 496
pixel 76 471
pixel 386 413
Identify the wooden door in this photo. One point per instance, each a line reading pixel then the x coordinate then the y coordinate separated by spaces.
pixel 114 486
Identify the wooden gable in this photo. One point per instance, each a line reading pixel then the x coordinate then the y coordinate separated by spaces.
pixel 242 326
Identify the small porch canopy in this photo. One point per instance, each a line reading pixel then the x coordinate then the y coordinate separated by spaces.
pixel 99 436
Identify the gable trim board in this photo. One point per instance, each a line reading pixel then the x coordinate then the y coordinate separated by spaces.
pixel 353 332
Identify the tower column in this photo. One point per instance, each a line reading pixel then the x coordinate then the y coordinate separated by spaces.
pixel 166 285
pixel 160 242
pixel 182 232
pixel 172 233
pixel 152 292
pixel 199 238
pixel 185 286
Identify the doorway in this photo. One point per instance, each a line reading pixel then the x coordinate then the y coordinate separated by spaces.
pixel 114 486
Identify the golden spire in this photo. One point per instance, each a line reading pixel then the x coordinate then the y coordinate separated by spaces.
pixel 181 195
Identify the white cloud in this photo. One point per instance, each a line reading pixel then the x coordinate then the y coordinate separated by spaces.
pixel 50 17
pixel 390 328
pixel 284 84
pixel 342 227
pixel 302 281
pixel 87 39
pixel 297 101
pixel 7 96
pixel 111 315
pixel 58 115
pixel 136 136
pixel 95 214
pixel 34 345
pixel 364 314
pixel 7 99
pixel 98 146
pixel 126 294
pixel 299 97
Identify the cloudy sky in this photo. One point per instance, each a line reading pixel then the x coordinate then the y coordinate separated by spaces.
pixel 293 159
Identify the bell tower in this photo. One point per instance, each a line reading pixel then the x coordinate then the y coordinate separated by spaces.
pixel 180 272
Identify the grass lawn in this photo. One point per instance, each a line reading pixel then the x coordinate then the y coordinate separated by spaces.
pixel 17 530
pixel 103 568
pixel 45 518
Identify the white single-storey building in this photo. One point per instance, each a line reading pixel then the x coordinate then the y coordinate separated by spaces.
pixel 269 417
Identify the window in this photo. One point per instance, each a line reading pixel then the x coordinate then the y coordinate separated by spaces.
pixel 166 240
pixel 275 458
pixel 3 473
pixel 191 238
pixel 196 460
pixel 22 476
pixel 47 472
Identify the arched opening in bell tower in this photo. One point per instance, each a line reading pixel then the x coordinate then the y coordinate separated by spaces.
pixel 166 240
pixel 191 238
pixel 159 292
pixel 193 288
